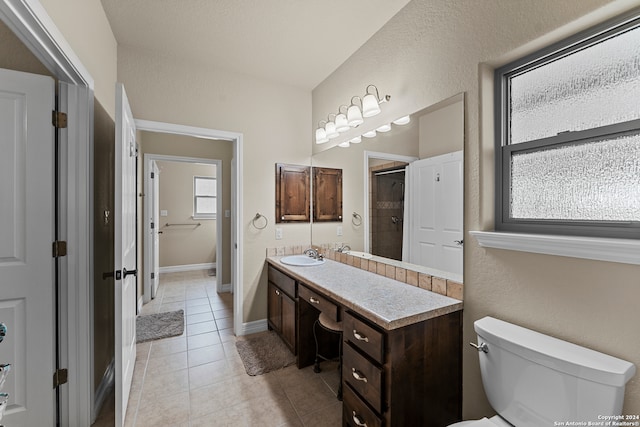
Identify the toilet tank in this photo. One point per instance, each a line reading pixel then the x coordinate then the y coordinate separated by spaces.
pixel 534 380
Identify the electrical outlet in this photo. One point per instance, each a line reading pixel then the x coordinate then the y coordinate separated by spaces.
pixel 227 213
pixel 278 233
pixel 339 231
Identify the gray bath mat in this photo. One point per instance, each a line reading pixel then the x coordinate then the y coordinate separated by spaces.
pixel 264 352
pixel 159 325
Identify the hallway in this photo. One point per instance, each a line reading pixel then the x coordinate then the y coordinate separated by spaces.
pixel 197 379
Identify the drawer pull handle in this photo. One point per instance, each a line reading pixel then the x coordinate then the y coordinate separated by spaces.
pixel 358 420
pixel 360 337
pixel 312 300
pixel 358 375
pixel 277 292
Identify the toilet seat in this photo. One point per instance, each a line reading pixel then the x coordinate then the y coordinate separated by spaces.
pixel 495 421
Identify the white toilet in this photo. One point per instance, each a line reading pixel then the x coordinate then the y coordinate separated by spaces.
pixel 534 380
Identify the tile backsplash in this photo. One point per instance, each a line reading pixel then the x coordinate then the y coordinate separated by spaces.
pixel 388 268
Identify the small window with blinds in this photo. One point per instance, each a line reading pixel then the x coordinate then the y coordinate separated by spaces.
pixel 204 197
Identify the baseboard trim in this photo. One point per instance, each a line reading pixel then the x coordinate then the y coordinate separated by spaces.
pixel 254 327
pixel 226 287
pixel 140 304
pixel 104 388
pixel 187 267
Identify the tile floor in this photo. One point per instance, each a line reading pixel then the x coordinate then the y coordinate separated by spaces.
pixel 198 379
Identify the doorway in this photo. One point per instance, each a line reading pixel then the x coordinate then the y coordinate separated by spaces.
pixel 387 210
pixel 178 234
pixel 170 146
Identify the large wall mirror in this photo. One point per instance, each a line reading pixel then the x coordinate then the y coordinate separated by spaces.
pixel 403 192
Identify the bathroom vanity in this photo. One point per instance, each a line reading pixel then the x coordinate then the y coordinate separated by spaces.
pixel 402 345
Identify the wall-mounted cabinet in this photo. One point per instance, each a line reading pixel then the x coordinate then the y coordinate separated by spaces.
pixel 327 194
pixel 292 193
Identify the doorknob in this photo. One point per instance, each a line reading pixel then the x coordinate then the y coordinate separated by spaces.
pixel 459 242
pixel 126 273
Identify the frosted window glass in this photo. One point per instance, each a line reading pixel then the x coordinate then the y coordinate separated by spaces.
pixel 598 181
pixel 593 87
pixel 205 205
pixel 205 187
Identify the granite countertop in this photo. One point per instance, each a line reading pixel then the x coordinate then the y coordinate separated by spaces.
pixel 388 303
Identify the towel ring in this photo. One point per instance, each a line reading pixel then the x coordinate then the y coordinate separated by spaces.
pixel 356 220
pixel 256 218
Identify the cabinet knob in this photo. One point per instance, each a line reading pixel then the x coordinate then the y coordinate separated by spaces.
pixel 277 292
pixel 359 336
pixel 312 300
pixel 358 375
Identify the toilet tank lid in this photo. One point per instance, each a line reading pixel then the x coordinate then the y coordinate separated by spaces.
pixel 554 353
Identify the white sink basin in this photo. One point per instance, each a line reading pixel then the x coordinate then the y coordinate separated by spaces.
pixel 301 260
pixel 364 255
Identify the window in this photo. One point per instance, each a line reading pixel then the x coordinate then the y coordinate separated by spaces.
pixel 204 197
pixel 568 136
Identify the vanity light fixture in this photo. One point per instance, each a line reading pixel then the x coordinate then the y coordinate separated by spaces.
pixel 370 134
pixel 341 120
pixel 402 120
pixel 356 140
pixel 384 128
pixel 330 128
pixel 354 113
pixel 321 133
pixel 371 102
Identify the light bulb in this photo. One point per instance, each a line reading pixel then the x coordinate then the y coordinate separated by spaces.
pixel 321 136
pixel 402 120
pixel 384 128
pixel 370 134
pixel 330 128
pixel 370 106
pixel 356 140
pixel 341 123
pixel 354 116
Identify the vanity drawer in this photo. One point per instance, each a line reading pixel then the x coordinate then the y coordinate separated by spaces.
pixel 364 336
pixel 363 376
pixel 356 413
pixel 284 282
pixel 321 303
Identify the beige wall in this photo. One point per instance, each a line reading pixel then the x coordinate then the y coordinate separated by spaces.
pixel 85 27
pixel 442 128
pixel 184 245
pixel 167 90
pixel 432 50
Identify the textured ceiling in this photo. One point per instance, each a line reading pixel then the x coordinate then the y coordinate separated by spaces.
pixel 297 42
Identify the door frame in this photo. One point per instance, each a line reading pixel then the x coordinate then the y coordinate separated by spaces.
pixel 236 202
pixel 381 156
pixel 149 158
pixel 32 25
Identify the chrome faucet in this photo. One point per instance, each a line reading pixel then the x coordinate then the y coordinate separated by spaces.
pixel 344 248
pixel 311 253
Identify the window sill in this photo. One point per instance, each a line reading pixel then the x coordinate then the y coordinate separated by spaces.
pixel 203 216
pixel 625 251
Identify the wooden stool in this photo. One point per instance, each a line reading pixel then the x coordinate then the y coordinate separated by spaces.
pixel 326 323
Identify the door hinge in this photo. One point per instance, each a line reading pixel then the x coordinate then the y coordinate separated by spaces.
pixel 153 275
pixel 59 119
pixel 153 225
pixel 153 175
pixel 60 376
pixel 59 248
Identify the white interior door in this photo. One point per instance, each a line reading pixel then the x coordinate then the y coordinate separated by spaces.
pixel 436 209
pixel 125 251
pixel 26 236
pixel 155 231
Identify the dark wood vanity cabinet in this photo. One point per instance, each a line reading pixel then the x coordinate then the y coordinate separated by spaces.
pixel 410 376
pixel 293 193
pixel 327 194
pixel 281 306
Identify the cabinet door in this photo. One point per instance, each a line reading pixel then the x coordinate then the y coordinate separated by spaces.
pixel 327 194
pixel 288 325
pixel 274 307
pixel 292 193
